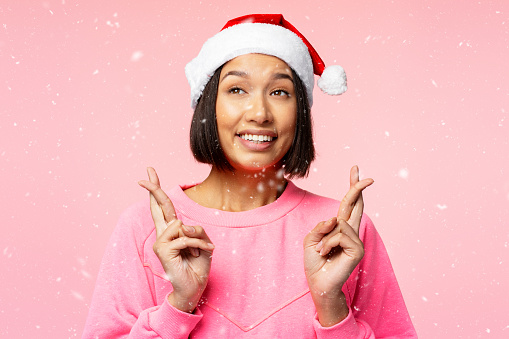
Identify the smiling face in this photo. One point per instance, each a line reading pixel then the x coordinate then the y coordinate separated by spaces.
pixel 256 111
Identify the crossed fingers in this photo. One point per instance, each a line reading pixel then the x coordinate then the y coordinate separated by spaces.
pixel 169 229
pixel 163 212
pixel 344 229
pixel 352 205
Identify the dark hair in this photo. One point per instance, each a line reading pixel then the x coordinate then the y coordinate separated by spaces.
pixel 205 138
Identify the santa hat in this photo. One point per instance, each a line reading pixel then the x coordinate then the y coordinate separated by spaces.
pixel 267 34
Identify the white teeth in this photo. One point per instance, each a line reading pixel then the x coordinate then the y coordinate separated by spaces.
pixel 256 137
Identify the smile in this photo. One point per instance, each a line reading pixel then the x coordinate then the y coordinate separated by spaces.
pixel 256 138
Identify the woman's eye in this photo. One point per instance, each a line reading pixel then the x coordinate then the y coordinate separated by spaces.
pixel 280 93
pixel 236 90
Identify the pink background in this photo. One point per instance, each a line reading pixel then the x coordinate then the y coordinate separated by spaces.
pixel 92 92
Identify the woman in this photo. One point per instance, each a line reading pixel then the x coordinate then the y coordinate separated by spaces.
pixel 246 252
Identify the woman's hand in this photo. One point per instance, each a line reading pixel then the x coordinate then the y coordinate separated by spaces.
pixel 185 251
pixel 332 250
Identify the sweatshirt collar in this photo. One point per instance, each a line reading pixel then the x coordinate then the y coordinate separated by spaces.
pixel 184 206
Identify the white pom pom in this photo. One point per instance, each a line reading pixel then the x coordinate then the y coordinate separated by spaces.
pixel 333 80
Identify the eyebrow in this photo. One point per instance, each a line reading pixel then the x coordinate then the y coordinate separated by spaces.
pixel 241 74
pixel 236 73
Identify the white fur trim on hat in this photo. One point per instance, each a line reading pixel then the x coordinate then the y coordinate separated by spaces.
pixel 249 38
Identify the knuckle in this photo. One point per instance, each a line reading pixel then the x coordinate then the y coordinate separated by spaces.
pixel 156 247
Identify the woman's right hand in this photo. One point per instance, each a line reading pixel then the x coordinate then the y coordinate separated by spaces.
pixel 185 251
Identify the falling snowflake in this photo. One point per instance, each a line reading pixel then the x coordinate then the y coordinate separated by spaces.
pixel 136 56
pixel 403 173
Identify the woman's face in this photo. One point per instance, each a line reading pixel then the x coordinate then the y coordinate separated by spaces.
pixel 256 111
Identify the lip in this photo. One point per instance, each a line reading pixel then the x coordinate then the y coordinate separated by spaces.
pixel 254 146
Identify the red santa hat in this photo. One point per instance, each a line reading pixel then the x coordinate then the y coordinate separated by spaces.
pixel 267 34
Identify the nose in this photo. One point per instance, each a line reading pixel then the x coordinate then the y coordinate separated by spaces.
pixel 258 111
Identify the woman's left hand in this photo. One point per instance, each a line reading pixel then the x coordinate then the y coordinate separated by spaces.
pixel 332 250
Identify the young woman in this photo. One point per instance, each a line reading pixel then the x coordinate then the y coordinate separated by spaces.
pixel 246 253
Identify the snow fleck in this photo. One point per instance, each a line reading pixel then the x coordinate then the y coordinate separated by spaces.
pixel 77 295
pixel 86 274
pixel 488 330
pixel 96 72
pixel 136 56
pixel 441 207
pixel 403 173
pixel 59 279
pixel 386 133
pixel 424 299
pixel 315 169
pixel 260 187
pixel 234 251
pixel 434 83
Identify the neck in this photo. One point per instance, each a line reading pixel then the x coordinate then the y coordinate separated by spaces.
pixel 238 191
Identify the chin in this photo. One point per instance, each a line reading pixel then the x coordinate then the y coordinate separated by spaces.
pixel 256 166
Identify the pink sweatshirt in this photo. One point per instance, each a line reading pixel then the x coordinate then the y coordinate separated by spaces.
pixel 257 287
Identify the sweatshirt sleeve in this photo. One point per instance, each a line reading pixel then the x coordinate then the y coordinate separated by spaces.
pixel 376 306
pixel 123 304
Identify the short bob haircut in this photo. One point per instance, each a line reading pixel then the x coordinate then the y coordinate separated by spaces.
pixel 205 139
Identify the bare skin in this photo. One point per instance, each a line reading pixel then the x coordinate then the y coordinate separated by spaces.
pixel 252 98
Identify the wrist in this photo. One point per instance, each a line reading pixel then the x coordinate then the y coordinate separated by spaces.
pixel 182 304
pixel 331 309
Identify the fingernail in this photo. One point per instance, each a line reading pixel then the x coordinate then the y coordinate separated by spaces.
pixel 319 245
pixel 211 246
pixel 189 229
pixel 322 251
pixel 330 220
